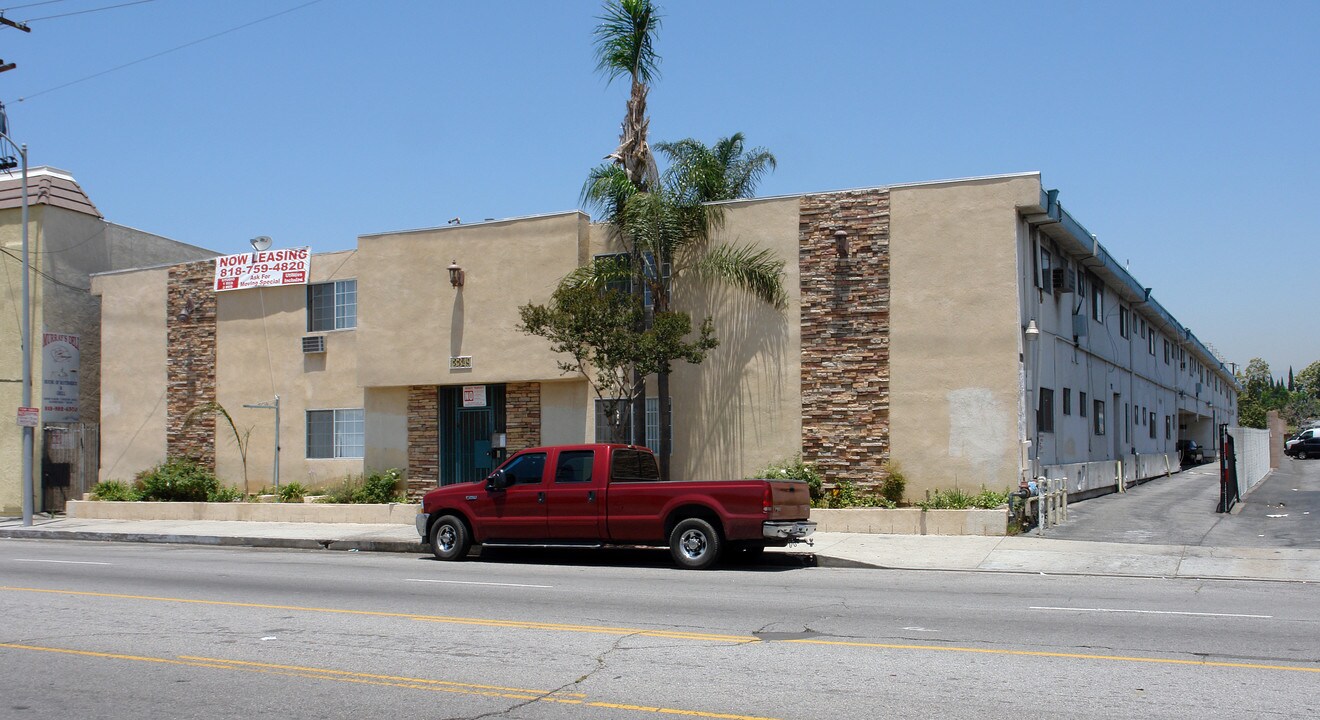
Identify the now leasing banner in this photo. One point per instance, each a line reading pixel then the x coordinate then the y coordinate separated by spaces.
pixel 268 268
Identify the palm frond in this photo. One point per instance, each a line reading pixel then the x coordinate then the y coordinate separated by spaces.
pixel 755 270
pixel 607 190
pixel 625 40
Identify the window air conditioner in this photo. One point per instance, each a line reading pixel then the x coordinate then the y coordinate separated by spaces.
pixel 313 343
pixel 1065 280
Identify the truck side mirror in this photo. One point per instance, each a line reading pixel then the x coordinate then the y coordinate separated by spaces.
pixel 497 480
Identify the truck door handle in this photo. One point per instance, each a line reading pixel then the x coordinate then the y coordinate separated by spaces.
pixel 540 497
pixel 591 496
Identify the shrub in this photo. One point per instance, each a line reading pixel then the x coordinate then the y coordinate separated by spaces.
pixel 795 469
pixel 292 492
pixel 226 493
pixel 846 494
pixel 957 499
pixel 114 490
pixel 177 480
pixel 894 483
pixel 378 487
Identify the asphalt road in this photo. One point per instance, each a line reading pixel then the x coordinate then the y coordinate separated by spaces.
pixel 143 631
pixel 1283 511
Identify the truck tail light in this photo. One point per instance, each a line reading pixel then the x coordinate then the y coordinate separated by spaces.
pixel 767 500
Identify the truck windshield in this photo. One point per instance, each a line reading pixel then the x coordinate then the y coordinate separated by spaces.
pixel 633 466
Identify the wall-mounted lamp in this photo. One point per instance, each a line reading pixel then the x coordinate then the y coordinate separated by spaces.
pixel 841 243
pixel 455 274
pixel 187 310
pixel 1032 332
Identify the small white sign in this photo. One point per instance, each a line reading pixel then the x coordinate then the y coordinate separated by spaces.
pixel 268 268
pixel 474 396
pixel 29 417
pixel 59 377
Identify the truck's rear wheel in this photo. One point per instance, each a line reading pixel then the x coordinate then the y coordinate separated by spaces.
pixel 449 538
pixel 695 544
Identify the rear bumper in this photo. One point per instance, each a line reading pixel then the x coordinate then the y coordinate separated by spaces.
pixel 788 530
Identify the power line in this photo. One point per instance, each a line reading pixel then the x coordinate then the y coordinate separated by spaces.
pixel 46 275
pixel 92 10
pixel 166 52
pixel 20 7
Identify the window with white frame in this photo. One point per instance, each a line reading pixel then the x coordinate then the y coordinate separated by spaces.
pixel 332 306
pixel 621 411
pixel 1123 322
pixel 336 433
pixel 623 408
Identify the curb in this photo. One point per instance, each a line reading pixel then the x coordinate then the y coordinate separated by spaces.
pixel 399 546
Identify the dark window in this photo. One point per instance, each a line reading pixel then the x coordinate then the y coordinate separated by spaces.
pixel 1099 417
pixel 1127 421
pixel 574 466
pixel 332 306
pixel 621 410
pixel 1046 272
pixel 525 469
pixel 1166 352
pixel 633 466
pixel 1152 426
pixel 1168 428
pixel 1097 301
pixel 335 433
pixel 1150 341
pixel 1067 401
pixel 1045 414
pixel 1123 321
pixel 1081 404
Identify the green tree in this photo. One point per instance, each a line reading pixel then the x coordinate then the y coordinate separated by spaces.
pixel 1308 379
pixel 594 324
pixel 242 439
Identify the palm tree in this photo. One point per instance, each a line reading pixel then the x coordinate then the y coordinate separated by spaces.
pixel 625 45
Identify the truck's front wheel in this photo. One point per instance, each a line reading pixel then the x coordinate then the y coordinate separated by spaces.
pixel 449 538
pixel 695 544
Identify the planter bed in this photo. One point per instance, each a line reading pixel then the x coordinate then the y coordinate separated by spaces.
pixel 911 521
pixel 391 514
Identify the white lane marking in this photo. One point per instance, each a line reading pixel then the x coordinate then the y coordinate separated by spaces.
pixel 466 582
pixel 1151 612
pixel 62 562
pixel 920 629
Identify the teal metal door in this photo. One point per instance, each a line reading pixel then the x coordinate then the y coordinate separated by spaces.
pixel 465 432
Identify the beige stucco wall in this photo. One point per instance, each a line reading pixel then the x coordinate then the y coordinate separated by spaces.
pixel 411 320
pixel 259 355
pixel 132 371
pixel 11 355
pixel 387 429
pixel 565 412
pixel 955 332
pixel 741 408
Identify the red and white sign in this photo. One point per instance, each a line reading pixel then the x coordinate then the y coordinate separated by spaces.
pixel 268 268
pixel 474 396
pixel 29 417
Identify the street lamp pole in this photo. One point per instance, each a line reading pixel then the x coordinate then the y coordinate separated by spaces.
pixel 26 342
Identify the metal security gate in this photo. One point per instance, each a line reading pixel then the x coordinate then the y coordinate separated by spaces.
pixel 466 431
pixel 1228 479
pixel 70 463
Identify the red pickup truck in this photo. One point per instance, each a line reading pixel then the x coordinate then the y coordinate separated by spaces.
pixel 593 495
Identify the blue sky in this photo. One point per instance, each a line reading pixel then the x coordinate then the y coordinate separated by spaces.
pixel 1182 133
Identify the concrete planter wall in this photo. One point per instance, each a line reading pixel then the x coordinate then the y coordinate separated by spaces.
pixel 392 514
pixel 911 521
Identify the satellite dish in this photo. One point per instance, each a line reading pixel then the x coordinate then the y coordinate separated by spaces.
pixel 261 243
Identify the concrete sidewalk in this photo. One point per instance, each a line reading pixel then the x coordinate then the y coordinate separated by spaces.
pixel 1021 554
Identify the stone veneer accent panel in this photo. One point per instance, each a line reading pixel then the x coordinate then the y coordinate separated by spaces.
pixel 190 325
pixel 845 334
pixel 423 440
pixel 522 415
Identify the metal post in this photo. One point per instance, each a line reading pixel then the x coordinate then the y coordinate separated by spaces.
pixel 277 444
pixel 28 432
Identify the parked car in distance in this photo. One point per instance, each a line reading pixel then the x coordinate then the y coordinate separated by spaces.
pixel 1190 452
pixel 1303 435
pixel 602 494
pixel 1308 447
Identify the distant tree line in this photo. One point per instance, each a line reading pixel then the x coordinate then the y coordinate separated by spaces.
pixel 1297 397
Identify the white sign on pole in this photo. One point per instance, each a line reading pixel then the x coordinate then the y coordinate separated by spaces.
pixel 474 396
pixel 29 417
pixel 268 268
pixel 59 377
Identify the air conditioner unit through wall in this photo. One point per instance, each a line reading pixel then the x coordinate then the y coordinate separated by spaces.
pixel 313 344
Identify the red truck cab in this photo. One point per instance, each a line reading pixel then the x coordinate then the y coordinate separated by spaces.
pixel 600 494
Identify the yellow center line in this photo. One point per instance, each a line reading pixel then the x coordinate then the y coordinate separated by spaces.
pixel 409 683
pixel 669 634
pixel 1047 654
